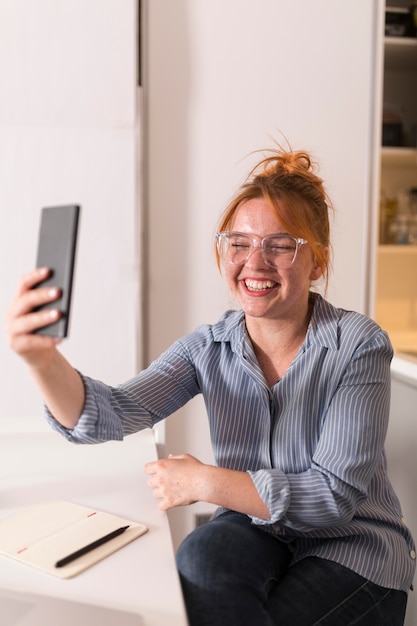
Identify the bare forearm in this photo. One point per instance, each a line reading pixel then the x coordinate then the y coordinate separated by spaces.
pixel 62 389
pixel 233 490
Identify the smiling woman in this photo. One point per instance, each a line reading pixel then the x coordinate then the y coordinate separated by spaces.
pixel 297 394
pixel 273 291
pixel 273 242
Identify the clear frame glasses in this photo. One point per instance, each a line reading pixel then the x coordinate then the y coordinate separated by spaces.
pixel 278 251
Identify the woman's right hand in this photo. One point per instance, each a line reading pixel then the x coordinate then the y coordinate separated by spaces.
pixel 37 350
pixel 61 386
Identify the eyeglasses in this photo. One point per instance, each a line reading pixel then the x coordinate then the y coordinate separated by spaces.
pixel 277 251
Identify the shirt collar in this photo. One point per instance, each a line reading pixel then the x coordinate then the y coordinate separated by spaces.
pixel 323 328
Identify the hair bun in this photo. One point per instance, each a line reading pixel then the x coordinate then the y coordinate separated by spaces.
pixel 281 161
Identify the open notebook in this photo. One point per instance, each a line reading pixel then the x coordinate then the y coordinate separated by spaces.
pixel 47 532
pixel 26 609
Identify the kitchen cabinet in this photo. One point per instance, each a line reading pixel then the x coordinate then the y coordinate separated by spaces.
pixel 393 262
pixel 395 305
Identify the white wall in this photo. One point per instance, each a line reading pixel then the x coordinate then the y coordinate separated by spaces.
pixel 223 77
pixel 69 132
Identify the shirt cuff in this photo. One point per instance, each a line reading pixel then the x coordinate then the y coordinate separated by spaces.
pixel 274 490
pixel 89 428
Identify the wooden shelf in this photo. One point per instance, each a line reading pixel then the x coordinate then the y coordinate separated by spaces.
pixel 405 342
pixel 391 249
pixel 399 155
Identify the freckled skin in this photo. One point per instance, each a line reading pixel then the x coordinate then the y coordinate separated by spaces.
pixel 288 298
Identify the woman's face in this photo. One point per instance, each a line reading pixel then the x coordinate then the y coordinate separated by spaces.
pixel 263 291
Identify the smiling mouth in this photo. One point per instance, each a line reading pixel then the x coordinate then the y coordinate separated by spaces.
pixel 259 285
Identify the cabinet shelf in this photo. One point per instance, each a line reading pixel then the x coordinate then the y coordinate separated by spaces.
pixel 395 304
pixel 399 155
pixel 401 53
pixel 392 249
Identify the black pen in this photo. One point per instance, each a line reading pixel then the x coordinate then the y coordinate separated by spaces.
pixel 90 547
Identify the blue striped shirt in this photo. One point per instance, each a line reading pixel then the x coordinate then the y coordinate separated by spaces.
pixel 313 444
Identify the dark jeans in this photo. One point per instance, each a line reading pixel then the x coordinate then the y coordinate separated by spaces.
pixel 234 574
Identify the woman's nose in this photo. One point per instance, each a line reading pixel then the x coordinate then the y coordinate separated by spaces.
pixel 256 258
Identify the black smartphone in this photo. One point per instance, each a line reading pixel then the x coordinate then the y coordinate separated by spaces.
pixel 56 249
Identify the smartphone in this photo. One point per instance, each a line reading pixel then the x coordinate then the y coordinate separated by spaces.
pixel 56 249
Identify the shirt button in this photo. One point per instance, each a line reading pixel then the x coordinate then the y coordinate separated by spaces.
pixel 413 554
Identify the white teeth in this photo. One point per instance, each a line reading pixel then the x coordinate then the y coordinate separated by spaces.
pixel 259 285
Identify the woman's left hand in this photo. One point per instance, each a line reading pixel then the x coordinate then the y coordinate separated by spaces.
pixel 176 480
pixel 183 479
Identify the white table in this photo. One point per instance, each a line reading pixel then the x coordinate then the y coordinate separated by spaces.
pixel 142 576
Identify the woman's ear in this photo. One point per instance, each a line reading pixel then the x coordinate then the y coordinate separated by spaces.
pixel 317 271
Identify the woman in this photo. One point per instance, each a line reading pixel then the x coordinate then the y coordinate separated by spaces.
pixel 308 529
